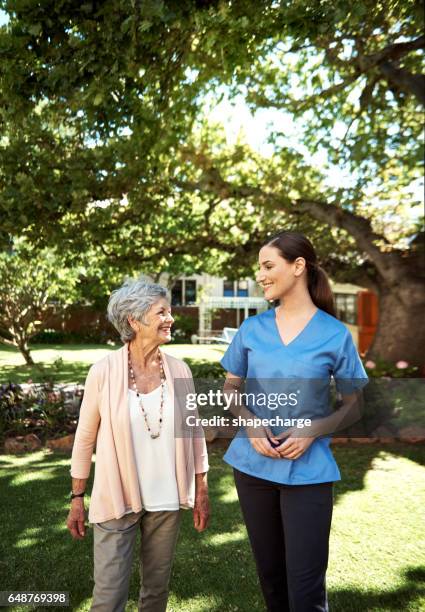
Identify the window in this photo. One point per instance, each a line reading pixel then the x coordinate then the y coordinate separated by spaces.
pixel 232 288
pixel 183 293
pixel 242 290
pixel 346 307
pixel 190 292
pixel 177 293
pixel 228 288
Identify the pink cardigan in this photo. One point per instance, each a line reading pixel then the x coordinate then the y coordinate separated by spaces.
pixel 104 414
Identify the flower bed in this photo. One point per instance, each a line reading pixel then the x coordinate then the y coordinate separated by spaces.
pixel 380 368
pixel 47 410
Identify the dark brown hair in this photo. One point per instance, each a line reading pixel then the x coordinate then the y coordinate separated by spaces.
pixel 294 244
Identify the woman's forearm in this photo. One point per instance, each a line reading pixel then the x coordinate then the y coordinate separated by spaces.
pixel 87 429
pixel 350 412
pixel 201 484
pixel 236 407
pixel 79 485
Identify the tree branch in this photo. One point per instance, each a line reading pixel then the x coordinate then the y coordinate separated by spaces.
pixel 363 275
pixel 405 80
pixel 362 64
pixel 301 104
pixel 330 214
pixel 393 52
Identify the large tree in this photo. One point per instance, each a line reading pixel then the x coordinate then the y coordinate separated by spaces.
pixel 104 100
pixel 349 77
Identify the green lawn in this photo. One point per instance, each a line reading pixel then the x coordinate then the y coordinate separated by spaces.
pixel 77 358
pixel 377 560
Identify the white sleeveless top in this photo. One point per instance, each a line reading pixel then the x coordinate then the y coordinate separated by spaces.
pixel 155 458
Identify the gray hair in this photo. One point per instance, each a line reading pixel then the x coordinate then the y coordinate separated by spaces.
pixel 133 298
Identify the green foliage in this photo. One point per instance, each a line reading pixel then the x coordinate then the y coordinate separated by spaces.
pixel 84 94
pixel 204 369
pixel 31 281
pixel 100 101
pixel 331 66
pixel 183 328
pixel 40 410
pixel 11 406
pixel 100 56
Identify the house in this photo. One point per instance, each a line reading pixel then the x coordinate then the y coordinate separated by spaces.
pixel 214 303
pixel 217 303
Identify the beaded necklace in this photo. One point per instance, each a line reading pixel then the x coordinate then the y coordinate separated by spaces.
pixel 161 408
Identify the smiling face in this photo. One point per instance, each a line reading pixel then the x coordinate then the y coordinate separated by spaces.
pixel 157 323
pixel 276 275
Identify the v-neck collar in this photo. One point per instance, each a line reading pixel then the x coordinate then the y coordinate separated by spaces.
pixel 273 310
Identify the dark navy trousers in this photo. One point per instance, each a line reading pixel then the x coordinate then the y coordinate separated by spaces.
pixel 288 528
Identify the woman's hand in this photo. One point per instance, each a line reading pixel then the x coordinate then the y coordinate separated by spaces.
pixel 260 439
pixel 201 511
pixel 294 446
pixel 76 519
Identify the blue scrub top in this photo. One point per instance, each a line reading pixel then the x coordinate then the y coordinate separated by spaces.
pixel 304 367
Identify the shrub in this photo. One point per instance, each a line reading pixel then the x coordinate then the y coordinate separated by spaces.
pixel 183 328
pixel 12 406
pixel 202 368
pixel 40 410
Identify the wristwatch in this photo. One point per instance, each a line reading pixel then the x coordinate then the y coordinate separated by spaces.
pixel 77 495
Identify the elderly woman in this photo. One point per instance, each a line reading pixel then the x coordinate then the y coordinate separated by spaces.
pixel 144 474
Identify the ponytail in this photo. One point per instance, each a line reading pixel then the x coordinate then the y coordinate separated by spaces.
pixel 320 289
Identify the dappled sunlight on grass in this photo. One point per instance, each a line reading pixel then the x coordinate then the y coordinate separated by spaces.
pixel 223 538
pixel 407 598
pixel 34 476
pixel 19 461
pixel 377 558
pixel 44 458
pixel 31 536
pixel 199 603
pixel 67 373
pixel 27 542
pixel 76 361
pixel 378 529
pixel 229 495
pixel 84 605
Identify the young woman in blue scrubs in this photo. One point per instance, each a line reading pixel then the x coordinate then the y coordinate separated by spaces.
pixel 284 476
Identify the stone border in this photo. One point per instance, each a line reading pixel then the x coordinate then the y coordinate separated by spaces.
pixel 215 439
pixel 408 435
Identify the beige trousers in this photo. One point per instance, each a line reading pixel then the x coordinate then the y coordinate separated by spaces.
pixel 113 543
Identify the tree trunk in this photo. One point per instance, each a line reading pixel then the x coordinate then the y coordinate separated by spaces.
pixel 400 335
pixel 25 351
